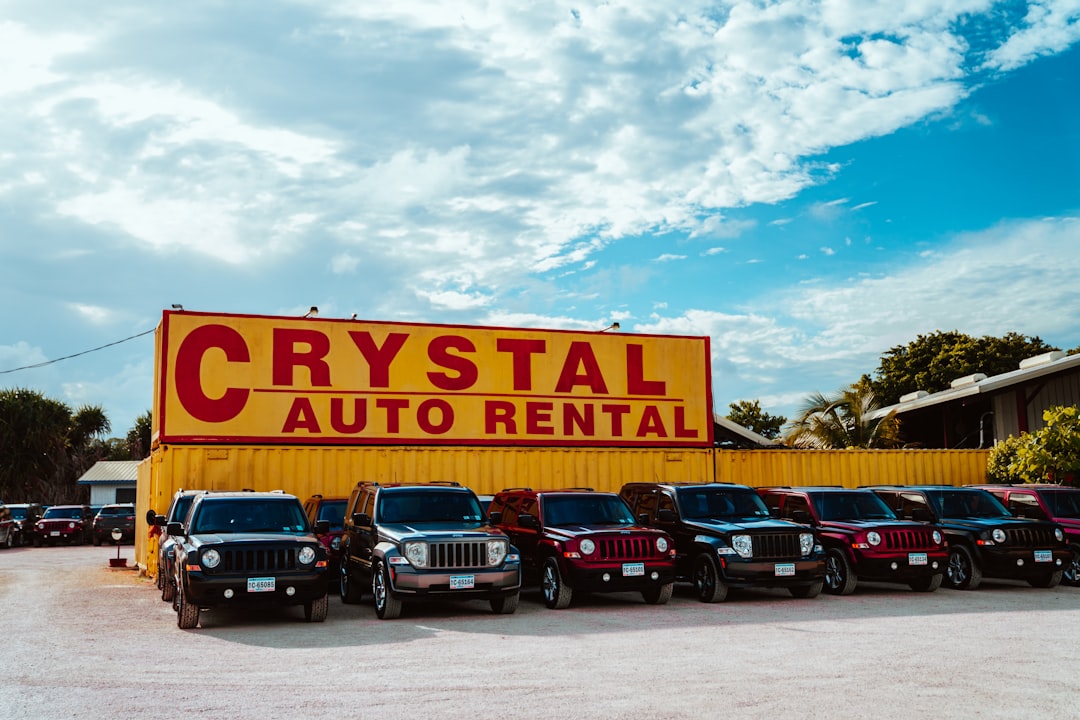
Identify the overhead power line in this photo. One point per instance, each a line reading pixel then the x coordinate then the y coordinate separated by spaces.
pixel 84 352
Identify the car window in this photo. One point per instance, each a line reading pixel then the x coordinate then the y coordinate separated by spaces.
pixel 1063 503
pixel 586 509
pixel 428 506
pixel 794 504
pixel 967 503
pixel 852 506
pixel 1024 505
pixel 254 515
pixel 723 503
pixel 333 511
pixel 64 512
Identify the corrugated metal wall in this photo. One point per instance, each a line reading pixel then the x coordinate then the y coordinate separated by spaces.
pixel 304 471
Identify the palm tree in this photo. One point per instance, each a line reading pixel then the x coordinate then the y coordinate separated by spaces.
pixel 843 421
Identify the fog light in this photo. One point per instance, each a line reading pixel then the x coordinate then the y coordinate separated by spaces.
pixel 655 575
pixel 228 593
pixel 1020 562
pixel 290 591
pixel 934 565
pixel 894 566
pixel 606 577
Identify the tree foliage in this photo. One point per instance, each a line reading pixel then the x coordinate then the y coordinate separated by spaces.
pixel 45 447
pixel 138 437
pixel 931 362
pixel 752 417
pixel 844 420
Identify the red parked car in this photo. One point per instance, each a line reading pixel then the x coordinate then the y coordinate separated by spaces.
pixel 69 524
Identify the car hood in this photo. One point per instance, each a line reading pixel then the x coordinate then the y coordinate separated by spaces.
pixel 456 530
pixel 252 538
pixel 1006 523
pixel 872 525
pixel 715 525
pixel 59 521
pixel 570 531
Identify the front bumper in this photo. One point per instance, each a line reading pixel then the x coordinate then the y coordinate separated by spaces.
pixel 407 581
pixel 899 567
pixel 610 576
pixel 771 573
pixel 210 591
pixel 1021 563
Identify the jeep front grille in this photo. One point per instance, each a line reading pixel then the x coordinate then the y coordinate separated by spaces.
pixel 255 560
pixel 773 546
pixel 624 548
pixel 457 554
pixel 907 539
pixel 1030 537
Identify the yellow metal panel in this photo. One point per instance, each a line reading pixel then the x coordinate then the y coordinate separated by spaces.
pixel 851 468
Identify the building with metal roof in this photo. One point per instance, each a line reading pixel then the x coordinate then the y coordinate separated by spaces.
pixel 111 481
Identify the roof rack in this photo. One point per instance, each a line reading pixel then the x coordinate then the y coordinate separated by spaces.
pixel 512 489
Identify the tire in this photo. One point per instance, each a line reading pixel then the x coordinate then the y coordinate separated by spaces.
pixel 160 578
pixel 387 607
pixel 349 591
pixel 708 586
pixel 97 541
pixel 168 590
pixel 557 594
pixel 961 572
pixel 10 542
pixel 658 594
pixel 839 577
pixel 807 591
pixel 505 605
pixel 187 614
pixel 930 583
pixel 37 542
pixel 1071 574
pixel 315 610
pixel 1049 580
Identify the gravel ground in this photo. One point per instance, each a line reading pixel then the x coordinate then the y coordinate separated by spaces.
pixel 83 640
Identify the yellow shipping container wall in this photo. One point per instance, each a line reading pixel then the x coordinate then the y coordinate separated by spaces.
pixel 305 471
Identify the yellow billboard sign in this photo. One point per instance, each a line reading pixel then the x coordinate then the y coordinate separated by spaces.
pixel 255 379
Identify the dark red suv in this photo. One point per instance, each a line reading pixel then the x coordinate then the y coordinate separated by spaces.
pixel 332 510
pixel 862 537
pixel 580 540
pixel 1057 503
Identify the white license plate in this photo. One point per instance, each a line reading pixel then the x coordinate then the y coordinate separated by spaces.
pixel 916 558
pixel 462 582
pixel 1044 556
pixel 261 584
pixel 784 569
pixel 633 569
pixel 54 533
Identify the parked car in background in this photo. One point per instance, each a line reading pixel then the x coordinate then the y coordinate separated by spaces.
pixel 425 541
pixel 8 529
pixel 985 539
pixel 25 516
pixel 1057 503
pixel 578 540
pixel 245 549
pixel 332 510
pixel 114 517
pixel 862 537
pixel 725 538
pixel 69 524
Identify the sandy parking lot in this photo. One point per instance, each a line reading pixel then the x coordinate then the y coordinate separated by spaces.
pixel 81 640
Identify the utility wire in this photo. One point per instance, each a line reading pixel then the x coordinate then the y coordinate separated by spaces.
pixel 84 352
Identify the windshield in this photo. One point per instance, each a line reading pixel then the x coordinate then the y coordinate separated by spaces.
pixel 235 515
pixel 586 509
pixel 183 504
pixel 1063 503
pixel 18 513
pixel 334 513
pixel 117 510
pixel 724 503
pixel 416 506
pixel 851 506
pixel 962 503
pixel 63 512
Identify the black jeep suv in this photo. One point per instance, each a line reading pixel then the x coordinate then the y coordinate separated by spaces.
pixel 425 540
pixel 580 540
pixel 724 538
pixel 166 553
pixel 247 548
pixel 115 517
pixel 862 537
pixel 985 539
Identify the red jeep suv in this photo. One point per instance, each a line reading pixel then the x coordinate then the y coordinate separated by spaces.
pixel 578 539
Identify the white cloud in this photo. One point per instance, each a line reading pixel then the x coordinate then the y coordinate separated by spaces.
pixel 668 257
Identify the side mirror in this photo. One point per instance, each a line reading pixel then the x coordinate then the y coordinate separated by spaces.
pixel 526 520
pixel 665 515
pixel 921 514
pixel 175 528
pixel 494 518
pixel 151 517
pixel 802 517
pixel 643 519
pixel 361 519
pixel 322 527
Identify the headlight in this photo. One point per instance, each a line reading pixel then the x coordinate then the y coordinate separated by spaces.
pixel 1059 534
pixel 998 535
pixel 211 559
pixel 806 543
pixel 497 550
pixel 588 547
pixel 937 537
pixel 306 556
pixel 743 545
pixel 335 543
pixel 71 526
pixel 416 553
pixel 873 537
pixel 662 544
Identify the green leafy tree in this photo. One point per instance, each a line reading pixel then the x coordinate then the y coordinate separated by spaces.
pixel 752 417
pixel 1000 464
pixel 931 362
pixel 138 437
pixel 1052 453
pixel 843 421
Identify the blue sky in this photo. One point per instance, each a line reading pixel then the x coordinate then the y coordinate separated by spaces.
pixel 807 183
